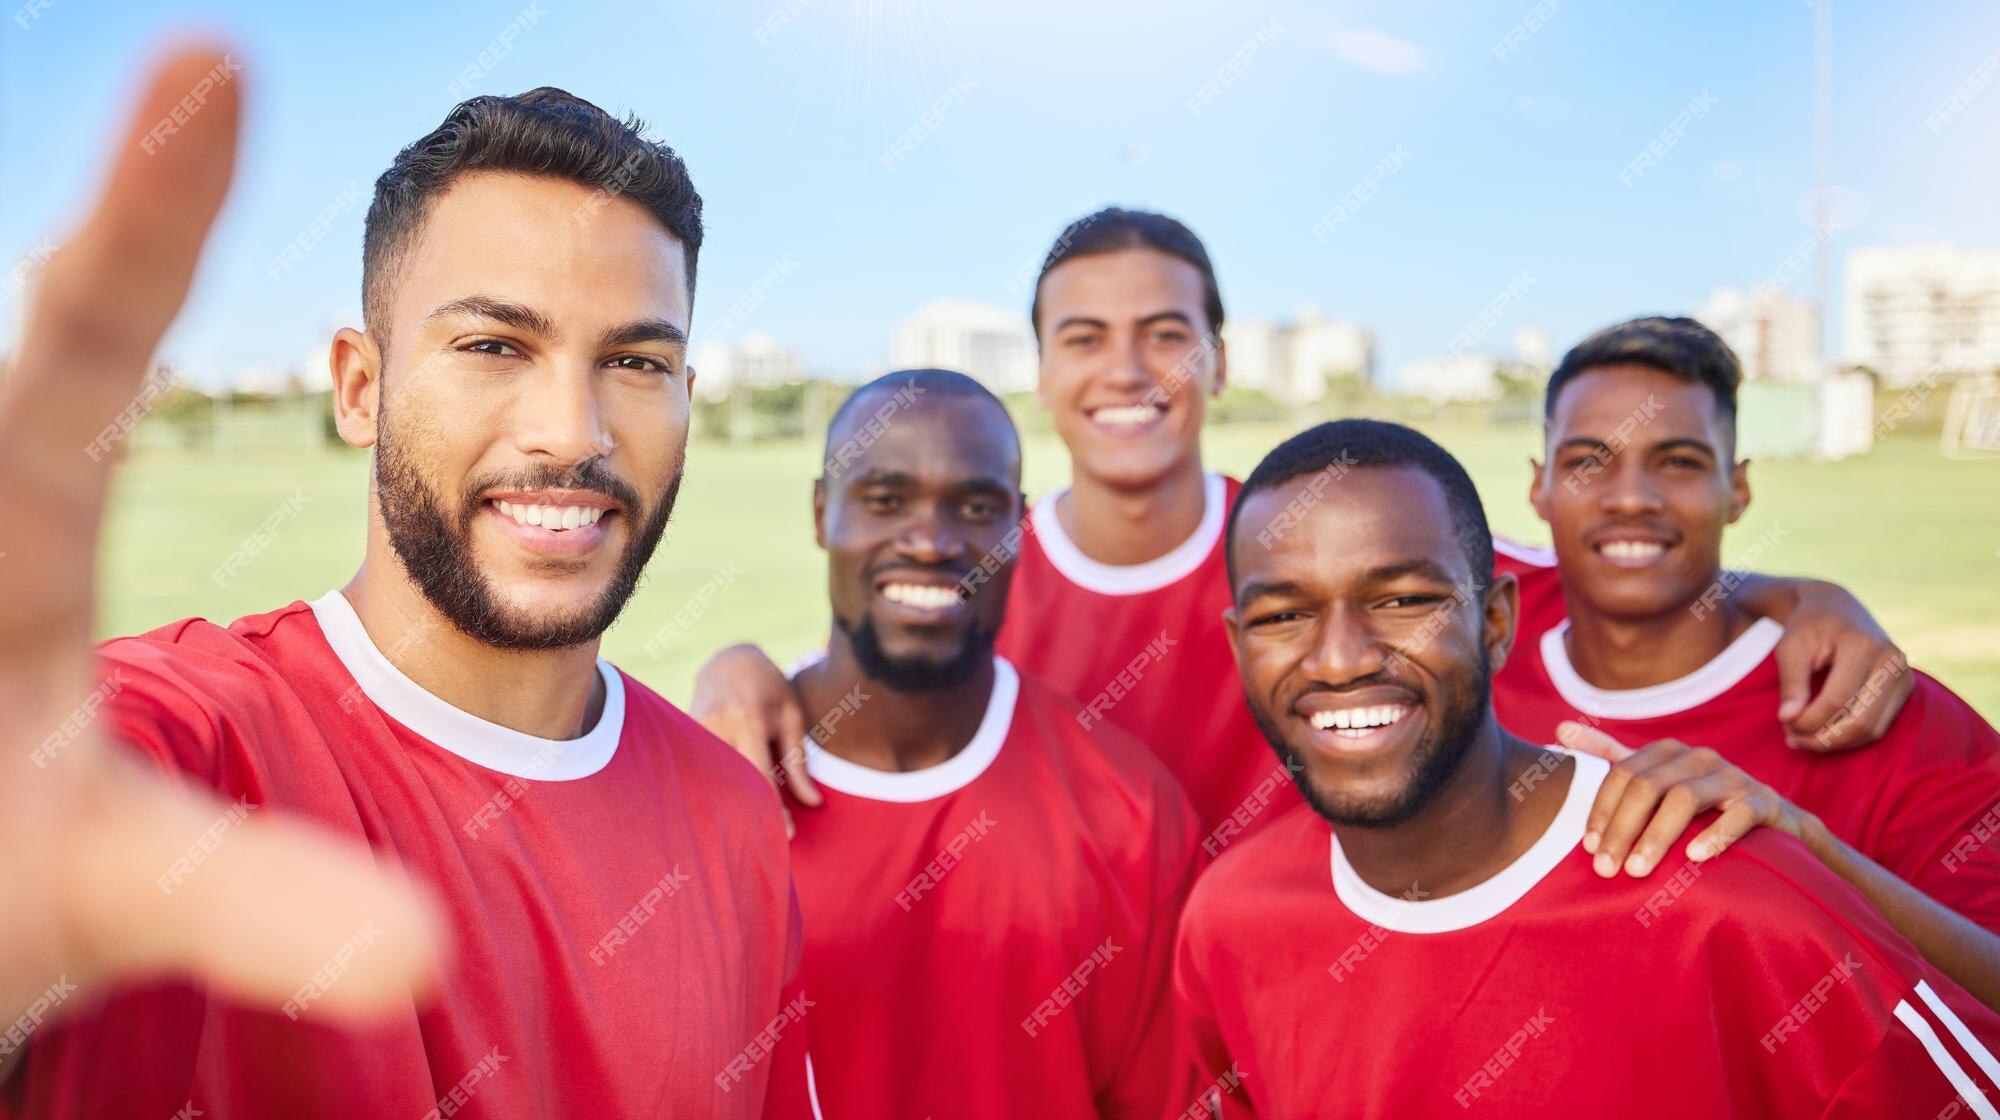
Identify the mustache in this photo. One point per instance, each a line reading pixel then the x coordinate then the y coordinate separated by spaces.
pixel 1381 678
pixel 957 572
pixel 593 475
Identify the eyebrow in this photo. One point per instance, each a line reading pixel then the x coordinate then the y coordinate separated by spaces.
pixel 644 330
pixel 1425 567
pixel 1258 588
pixel 524 318
pixel 881 476
pixel 1678 442
pixel 1155 317
pixel 517 315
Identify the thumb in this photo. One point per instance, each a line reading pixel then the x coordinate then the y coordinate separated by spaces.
pixel 1585 739
pixel 1796 665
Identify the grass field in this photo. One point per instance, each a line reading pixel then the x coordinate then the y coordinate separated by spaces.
pixel 1915 535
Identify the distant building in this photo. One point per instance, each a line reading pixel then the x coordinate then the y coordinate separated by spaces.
pixel 756 360
pixel 991 344
pixel 1452 377
pixel 1775 336
pixel 1531 349
pixel 1917 310
pixel 1292 361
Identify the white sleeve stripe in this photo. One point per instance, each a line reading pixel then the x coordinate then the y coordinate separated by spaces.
pixel 812 1089
pixel 1981 1056
pixel 1947 1065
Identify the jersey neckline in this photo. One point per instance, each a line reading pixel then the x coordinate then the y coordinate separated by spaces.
pixel 1487 899
pixel 1722 672
pixel 1132 579
pixel 932 782
pixel 459 732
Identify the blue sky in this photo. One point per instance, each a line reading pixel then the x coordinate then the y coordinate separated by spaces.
pixel 1511 167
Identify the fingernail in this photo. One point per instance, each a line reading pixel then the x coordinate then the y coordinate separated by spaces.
pixel 1590 840
pixel 1698 852
pixel 1638 865
pixel 1604 866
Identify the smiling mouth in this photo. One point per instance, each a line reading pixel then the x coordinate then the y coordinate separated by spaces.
pixel 555 518
pixel 1359 723
pixel 1631 553
pixel 922 596
pixel 1126 416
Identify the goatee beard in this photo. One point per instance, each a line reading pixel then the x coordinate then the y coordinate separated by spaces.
pixel 434 543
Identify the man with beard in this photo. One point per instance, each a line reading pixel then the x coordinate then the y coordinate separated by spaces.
pixel 1426 936
pixel 990 890
pixel 613 880
pixel 1128 316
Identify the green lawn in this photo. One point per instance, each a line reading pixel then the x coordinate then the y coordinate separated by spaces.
pixel 1915 535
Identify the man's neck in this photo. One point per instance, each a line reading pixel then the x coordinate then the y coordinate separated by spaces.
pixel 1484 819
pixel 1626 653
pixel 551 694
pixel 1122 526
pixel 869 724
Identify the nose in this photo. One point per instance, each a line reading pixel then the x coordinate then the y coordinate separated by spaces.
pixel 1346 649
pixel 931 537
pixel 1127 371
pixel 560 417
pixel 1627 488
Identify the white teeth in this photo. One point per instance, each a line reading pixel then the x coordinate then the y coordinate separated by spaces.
pixel 1631 550
pixel 1124 416
pixel 1357 722
pixel 551 517
pixel 921 595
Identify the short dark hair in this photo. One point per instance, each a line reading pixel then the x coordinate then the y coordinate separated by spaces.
pixel 1679 347
pixel 545 131
pixel 1373 445
pixel 941 382
pixel 1115 228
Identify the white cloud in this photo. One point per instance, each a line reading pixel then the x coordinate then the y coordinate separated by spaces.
pixel 1378 51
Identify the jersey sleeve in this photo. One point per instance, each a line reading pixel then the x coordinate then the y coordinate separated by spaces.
pixel 1932 1064
pixel 1829 1011
pixel 1207 1081
pixel 789 1094
pixel 166 701
pixel 1939 825
pixel 1138 1091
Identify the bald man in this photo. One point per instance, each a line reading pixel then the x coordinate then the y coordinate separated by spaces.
pixel 990 890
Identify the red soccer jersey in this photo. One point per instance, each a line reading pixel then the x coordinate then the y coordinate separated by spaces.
pixel 1143 648
pixel 1534 569
pixel 993 936
pixel 1757 985
pixel 1923 802
pixel 625 933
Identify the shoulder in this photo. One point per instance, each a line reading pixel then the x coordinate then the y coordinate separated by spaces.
pixel 1294 849
pixel 1083 741
pixel 1522 560
pixel 197 659
pixel 1939 726
pixel 705 762
pixel 254 640
pixel 1768 894
pixel 172 689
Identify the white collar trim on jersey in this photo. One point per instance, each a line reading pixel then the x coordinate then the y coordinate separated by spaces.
pixel 1721 674
pixel 1485 900
pixel 1131 579
pixel 1532 555
pixel 949 776
pixel 460 732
